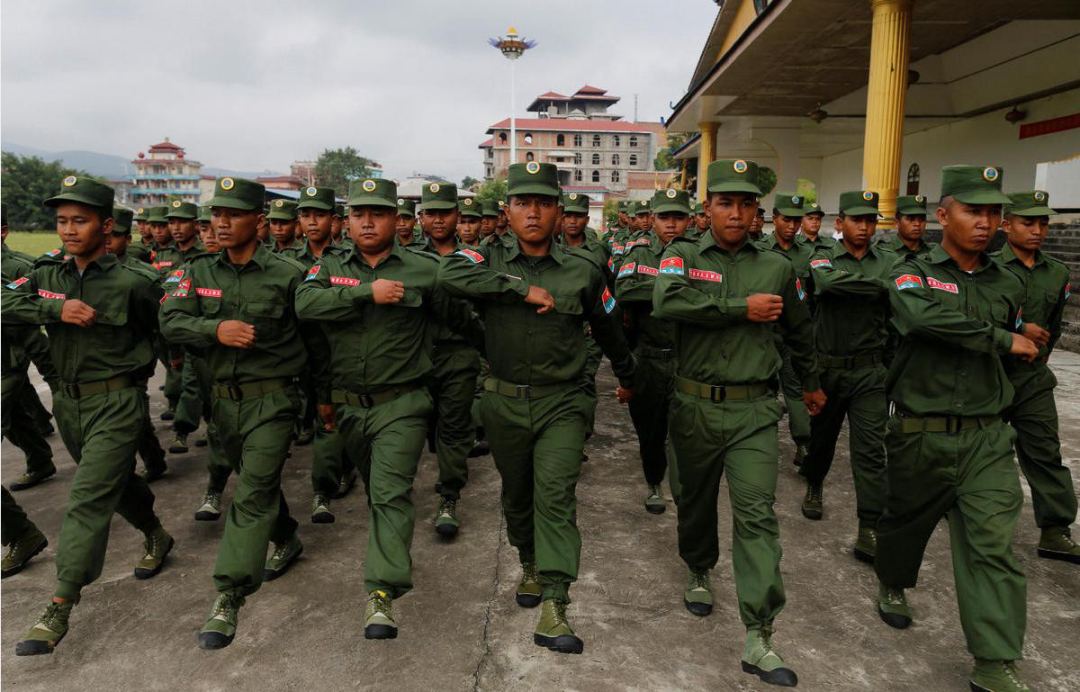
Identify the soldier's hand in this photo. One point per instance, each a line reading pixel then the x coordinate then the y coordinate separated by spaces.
pixel 1040 336
pixel 814 401
pixel 540 296
pixel 764 307
pixel 1024 347
pixel 384 291
pixel 76 312
pixel 329 416
pixel 236 334
pixel 624 395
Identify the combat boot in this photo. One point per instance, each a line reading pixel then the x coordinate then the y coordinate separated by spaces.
pixel 480 449
pixel 529 589
pixel 169 413
pixel 800 454
pixel 379 616
pixel 283 558
pixel 305 435
pixel 347 483
pixel 554 632
pixel 32 478
pixel 1056 543
pixel 220 628
pixel 996 676
pixel 201 442
pixel 211 507
pixel 698 597
pixel 761 660
pixel 866 544
pixel 47 632
pixel 446 522
pixel 813 505
pixel 152 473
pixel 320 510
pixel 654 500
pixel 179 444
pixel 28 544
pixel 158 543
pixel 893 607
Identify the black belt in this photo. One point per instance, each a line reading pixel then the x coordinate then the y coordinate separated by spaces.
pixel 344 396
pixel 237 392
pixel 77 390
pixel 849 362
pixel 657 353
pixel 526 391
pixel 945 424
pixel 718 393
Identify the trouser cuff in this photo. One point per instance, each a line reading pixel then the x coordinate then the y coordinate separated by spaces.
pixel 68 590
pixel 560 592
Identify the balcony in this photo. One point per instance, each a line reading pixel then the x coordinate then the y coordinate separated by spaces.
pixel 137 178
pixel 136 191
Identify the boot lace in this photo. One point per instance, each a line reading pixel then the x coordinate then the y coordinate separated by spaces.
pixel 227 606
pixel 813 493
pixel 448 507
pixel 382 603
pixel 528 572
pixel 699 580
pixel 281 551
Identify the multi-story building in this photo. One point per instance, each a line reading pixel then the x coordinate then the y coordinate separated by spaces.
pixel 162 173
pixel 305 171
pixel 576 133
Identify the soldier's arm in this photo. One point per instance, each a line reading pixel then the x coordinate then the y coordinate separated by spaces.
pixel 1054 326
pixel 318 349
pixel 829 280
pixel 676 300
pixel 634 286
pixel 181 318
pixel 320 299
pixel 23 305
pixel 605 321
pixel 146 302
pixel 467 274
pixel 797 331
pixel 458 316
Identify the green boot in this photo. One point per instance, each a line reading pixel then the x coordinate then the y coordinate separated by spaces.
pixel 305 435
pixel 529 589
pixel 283 558
pixel 1056 543
pixel 347 483
pixel 813 505
pixel 31 542
pixel 759 659
pixel 158 543
pixel 553 631
pixel 379 616
pixel 800 454
pixel 32 478
pixel 220 628
pixel 320 510
pixel 893 608
pixel 997 676
pixel 47 632
pixel 866 544
pixel 211 507
pixel 151 474
pixel 179 444
pixel 698 595
pixel 446 522
pixel 654 500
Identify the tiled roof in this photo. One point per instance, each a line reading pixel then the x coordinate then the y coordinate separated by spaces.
pixel 550 124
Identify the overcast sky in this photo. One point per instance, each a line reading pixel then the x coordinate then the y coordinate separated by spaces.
pixel 253 85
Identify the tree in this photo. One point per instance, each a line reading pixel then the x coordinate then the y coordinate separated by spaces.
pixel 665 158
pixel 766 180
pixel 468 181
pixel 27 182
pixel 611 213
pixel 492 190
pixel 808 190
pixel 336 167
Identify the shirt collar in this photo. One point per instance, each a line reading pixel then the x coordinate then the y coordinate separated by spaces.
pixel 104 263
pixel 708 241
pixel 939 256
pixel 1008 255
pixel 260 258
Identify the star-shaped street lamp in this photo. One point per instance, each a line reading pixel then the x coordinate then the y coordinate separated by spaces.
pixel 512 47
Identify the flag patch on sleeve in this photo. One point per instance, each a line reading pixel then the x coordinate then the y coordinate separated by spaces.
pixel 313 272
pixel 941 285
pixel 182 289
pixel 671 265
pixel 175 277
pixel 627 269
pixel 609 301
pixel 908 281
pixel 798 287
pixel 23 279
pixel 473 255
pixel 820 263
pixel 1019 319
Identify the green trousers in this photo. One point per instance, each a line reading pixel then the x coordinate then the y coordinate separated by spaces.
pixel 14 520
pixel 1034 416
pixel 453 387
pixel 255 434
pixel 387 440
pixel 588 381
pixel 329 459
pixel 859 395
pixel 649 411
pixel 34 408
pixel 149 446
pixel 173 378
pixel 739 437
pixel 970 479
pixel 101 433
pixel 20 426
pixel 791 385
pixel 191 406
pixel 538 446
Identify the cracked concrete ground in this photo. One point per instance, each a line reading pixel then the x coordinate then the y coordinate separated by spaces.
pixel 460 628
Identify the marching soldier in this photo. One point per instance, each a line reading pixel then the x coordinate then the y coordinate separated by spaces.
pixel 337 223
pixel 469 216
pixel 406 222
pixel 811 228
pixel 489 215
pixel 757 227
pixel 910 226
pixel 283 224
pixel 701 220
pixel 725 294
pixel 23 539
pixel 159 230
pixel 141 249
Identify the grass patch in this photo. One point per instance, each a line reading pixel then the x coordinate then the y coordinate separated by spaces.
pixel 34 244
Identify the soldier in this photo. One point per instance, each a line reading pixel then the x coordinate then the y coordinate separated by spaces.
pixel 910 226
pixel 406 222
pixel 950 453
pixel 811 228
pixel 141 249
pixel 489 215
pixel 643 221
pixel 283 224
pixel 376 300
pixel 851 314
pixel 469 216
pixel 787 215
pixel 1033 413
pixel 702 219
pixel 337 221
pixel 21 537
pixel 757 226
pixel 501 222
pixel 205 227
pixel 159 228
pixel 532 408
pixel 264 229
pixel 725 293
pixel 237 306
pixel 654 339
pixel 102 344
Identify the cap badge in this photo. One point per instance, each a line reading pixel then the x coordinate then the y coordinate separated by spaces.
pixel 868 196
pixel 532 167
pixel 1040 196
pixel 279 203
pixel 141 211
pixel 990 174
pixel 176 204
pixel 671 194
pixel 468 201
pixel 739 166
pixel 795 199
pixel 70 180
pixel 920 199
pixel 368 185
pixel 310 192
pixel 227 183
pixel 434 187
pixel 572 195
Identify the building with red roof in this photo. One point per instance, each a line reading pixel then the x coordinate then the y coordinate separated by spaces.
pixel 164 172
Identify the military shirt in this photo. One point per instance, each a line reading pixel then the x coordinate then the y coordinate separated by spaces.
pixel 599 251
pixel 703 288
pixel 172 258
pixel 527 348
pixel 120 342
pixel 260 293
pixel 852 300
pixel 141 252
pixel 15 265
pixel 634 289
pixel 1046 291
pixel 799 253
pixel 463 314
pixel 897 246
pixel 955 332
pixel 302 253
pixel 822 241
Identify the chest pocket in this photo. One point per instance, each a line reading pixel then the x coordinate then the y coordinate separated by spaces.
pixel 265 316
pixel 568 303
pixel 413 298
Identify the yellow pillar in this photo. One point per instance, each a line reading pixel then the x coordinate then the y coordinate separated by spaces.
pixel 885 98
pixel 708 151
pixel 682 176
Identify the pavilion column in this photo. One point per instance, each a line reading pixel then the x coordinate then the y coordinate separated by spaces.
pixel 886 92
pixel 708 152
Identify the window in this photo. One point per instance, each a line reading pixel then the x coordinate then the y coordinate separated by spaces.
pixel 502 138
pixel 615 140
pixel 913 176
pixel 560 141
pixel 577 159
pixel 633 142
pixel 596 159
pixel 596 176
pixel 596 140
pixel 528 156
pixel 577 140
pixel 614 159
pixel 614 176
pixel 577 175
pixel 490 153
pixel 633 159
pixel 528 138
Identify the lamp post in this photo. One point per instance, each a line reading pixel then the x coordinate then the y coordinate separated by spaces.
pixel 512 47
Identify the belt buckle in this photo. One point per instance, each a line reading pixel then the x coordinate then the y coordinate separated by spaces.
pixel 952 424
pixel 72 390
pixel 523 391
pixel 713 394
pixel 365 400
pixel 235 393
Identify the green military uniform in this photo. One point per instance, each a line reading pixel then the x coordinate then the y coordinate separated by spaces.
pixel 282 210
pixel 163 263
pixel 1033 412
pixel 814 209
pixel 851 312
pixel 407 209
pixel 907 205
pixel 137 249
pixel 950 454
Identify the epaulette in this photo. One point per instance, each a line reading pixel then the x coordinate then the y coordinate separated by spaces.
pixel 583 254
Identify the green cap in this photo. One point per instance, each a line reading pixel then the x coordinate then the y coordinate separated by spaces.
pixel 317 198
pixel 639 207
pixel 813 209
pixel 438 196
pixel 1029 203
pixel 406 207
pixel 87 191
pixel 532 178
pixel 576 203
pixel 859 202
pixel 282 210
pixel 157 214
pixel 698 208
pixel 670 201
pixel 733 175
pixel 973 184
pixel 140 214
pixel 179 209
pixel 490 208
pixel 373 192
pixel 911 205
pixel 790 204
pixel 204 213
pixel 122 217
pixel 238 193
pixel 469 207
pixel 339 211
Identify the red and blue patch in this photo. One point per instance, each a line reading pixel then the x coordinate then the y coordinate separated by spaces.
pixel 313 272
pixel 798 288
pixel 672 265
pixel 1019 320
pixel 474 256
pixel 175 277
pixel 609 301
pixel 820 264
pixel 908 281
pixel 18 282
pixel 627 269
